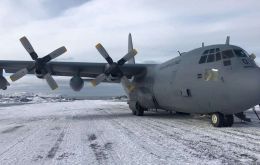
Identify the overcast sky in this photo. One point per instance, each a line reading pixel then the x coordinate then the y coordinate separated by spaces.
pixel 159 28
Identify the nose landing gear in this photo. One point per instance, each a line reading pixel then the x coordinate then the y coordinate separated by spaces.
pixel 221 120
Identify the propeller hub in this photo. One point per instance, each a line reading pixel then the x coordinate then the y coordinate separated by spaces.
pixel 114 70
pixel 40 69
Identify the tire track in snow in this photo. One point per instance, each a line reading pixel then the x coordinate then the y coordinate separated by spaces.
pixel 219 144
pixel 155 149
pixel 202 147
pixel 23 139
pixel 52 152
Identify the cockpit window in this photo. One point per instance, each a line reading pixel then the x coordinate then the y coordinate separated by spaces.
pixel 202 59
pixel 218 56
pixel 227 54
pixel 206 52
pixel 212 51
pixel 240 53
pixel 211 58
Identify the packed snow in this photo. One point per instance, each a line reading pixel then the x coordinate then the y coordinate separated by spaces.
pixel 105 132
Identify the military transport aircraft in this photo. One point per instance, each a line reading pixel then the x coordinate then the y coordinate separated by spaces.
pixel 220 80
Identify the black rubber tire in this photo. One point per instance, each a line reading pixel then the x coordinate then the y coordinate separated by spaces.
pixel 182 113
pixel 133 112
pixel 217 119
pixel 139 110
pixel 229 120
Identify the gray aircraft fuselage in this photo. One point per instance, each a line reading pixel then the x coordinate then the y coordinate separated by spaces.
pixel 180 84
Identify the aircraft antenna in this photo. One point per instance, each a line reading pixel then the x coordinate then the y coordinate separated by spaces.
pixel 179 52
pixel 227 40
pixel 203 44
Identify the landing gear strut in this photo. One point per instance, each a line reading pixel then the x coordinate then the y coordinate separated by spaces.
pixel 221 120
pixel 137 109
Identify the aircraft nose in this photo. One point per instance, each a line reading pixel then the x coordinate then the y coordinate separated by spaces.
pixel 250 89
pixel 244 89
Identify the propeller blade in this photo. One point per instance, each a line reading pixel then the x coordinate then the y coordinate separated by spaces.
pixel 98 79
pixel 127 84
pixel 127 57
pixel 19 74
pixel 27 45
pixel 56 53
pixel 51 82
pixel 104 53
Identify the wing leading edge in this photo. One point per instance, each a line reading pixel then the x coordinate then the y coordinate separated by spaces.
pixel 82 69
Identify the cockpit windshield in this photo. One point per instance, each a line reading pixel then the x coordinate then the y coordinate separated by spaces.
pixel 240 53
pixel 227 54
pixel 212 55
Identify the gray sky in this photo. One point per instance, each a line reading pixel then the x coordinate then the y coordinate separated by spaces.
pixel 159 28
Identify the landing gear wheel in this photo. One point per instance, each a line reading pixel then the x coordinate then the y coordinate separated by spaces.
pixel 229 120
pixel 133 112
pixel 139 110
pixel 217 119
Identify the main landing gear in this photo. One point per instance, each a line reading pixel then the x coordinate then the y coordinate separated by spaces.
pixel 221 120
pixel 138 110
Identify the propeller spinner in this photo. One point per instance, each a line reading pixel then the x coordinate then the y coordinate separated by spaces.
pixel 40 64
pixel 114 68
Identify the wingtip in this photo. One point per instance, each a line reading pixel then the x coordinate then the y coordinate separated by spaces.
pixel 98 45
pixel 135 51
pixel 23 38
pixel 65 49
pixel 93 83
pixel 55 88
pixel 12 79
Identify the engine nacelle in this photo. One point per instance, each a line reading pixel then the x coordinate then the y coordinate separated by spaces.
pixel 76 83
pixel 3 83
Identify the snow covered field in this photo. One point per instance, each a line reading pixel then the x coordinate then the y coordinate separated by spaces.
pixel 105 132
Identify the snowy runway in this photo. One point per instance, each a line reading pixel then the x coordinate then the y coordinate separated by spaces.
pixel 105 132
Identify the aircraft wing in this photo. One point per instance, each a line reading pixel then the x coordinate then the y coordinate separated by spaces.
pixel 83 69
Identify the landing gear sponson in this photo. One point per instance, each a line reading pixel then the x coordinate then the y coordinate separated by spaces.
pixel 217 119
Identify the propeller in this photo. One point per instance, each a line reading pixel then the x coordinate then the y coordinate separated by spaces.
pixel 39 65
pixel 114 68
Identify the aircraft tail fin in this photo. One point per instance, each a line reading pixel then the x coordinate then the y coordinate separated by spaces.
pixel 130 48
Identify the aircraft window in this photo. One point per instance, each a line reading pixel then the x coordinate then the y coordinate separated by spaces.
pixel 211 58
pixel 217 49
pixel 240 53
pixel 206 52
pixel 202 59
pixel 212 51
pixel 227 54
pixel 218 56
pixel 245 61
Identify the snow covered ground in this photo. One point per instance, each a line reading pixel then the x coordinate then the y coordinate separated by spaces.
pixel 105 132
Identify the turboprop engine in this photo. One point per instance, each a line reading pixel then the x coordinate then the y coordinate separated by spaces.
pixel 76 83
